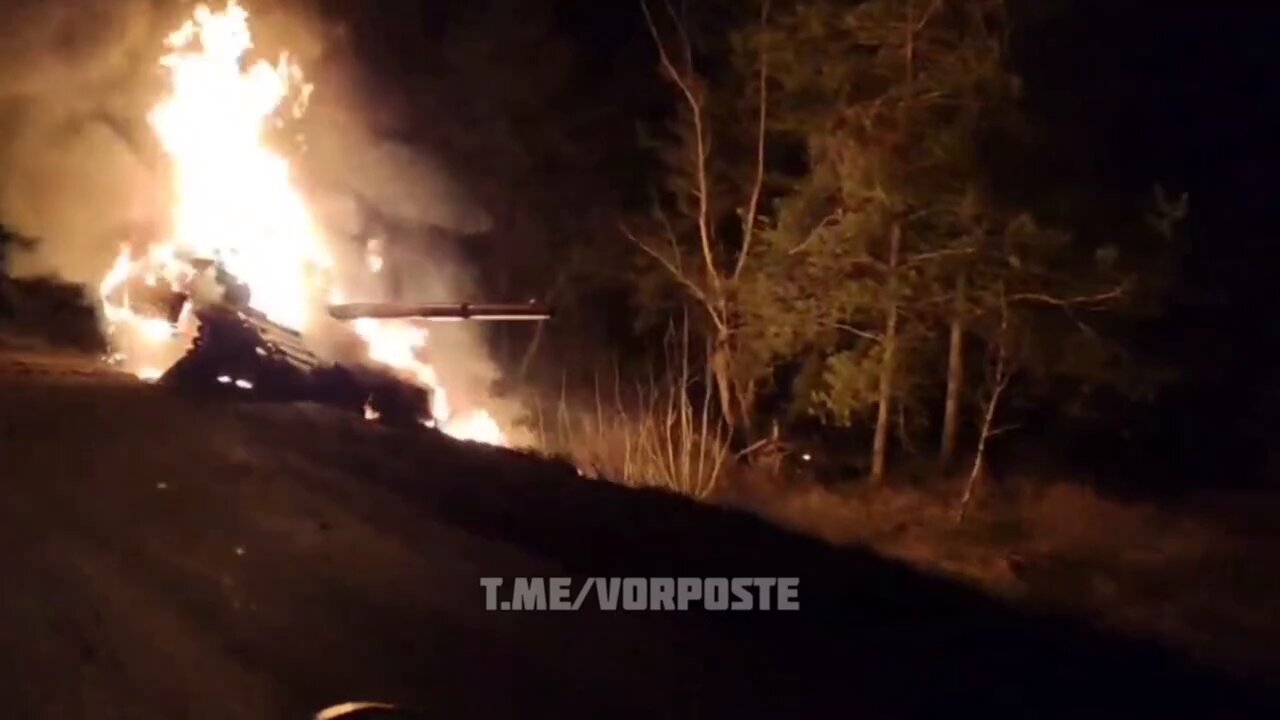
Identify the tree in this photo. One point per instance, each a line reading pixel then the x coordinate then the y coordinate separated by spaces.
pixel 1050 310
pixel 694 240
pixel 876 248
pixel 887 97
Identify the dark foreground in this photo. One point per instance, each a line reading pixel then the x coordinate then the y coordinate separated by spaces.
pixel 164 558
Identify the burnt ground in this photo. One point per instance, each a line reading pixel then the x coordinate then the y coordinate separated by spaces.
pixel 167 558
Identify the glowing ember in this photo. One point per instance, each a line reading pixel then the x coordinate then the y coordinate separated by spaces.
pixel 478 426
pixel 395 343
pixel 236 204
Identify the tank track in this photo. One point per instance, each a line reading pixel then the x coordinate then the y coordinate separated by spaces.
pixel 247 358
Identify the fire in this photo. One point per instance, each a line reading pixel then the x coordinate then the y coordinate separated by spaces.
pixel 395 343
pixel 478 426
pixel 236 203
pixel 373 255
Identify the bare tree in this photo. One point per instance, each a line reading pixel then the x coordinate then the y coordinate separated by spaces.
pixel 1006 346
pixel 1002 372
pixel 709 277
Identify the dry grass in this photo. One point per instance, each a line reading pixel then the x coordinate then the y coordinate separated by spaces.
pixel 1177 575
pixel 663 433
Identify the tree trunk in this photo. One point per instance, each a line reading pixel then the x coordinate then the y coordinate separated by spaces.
pixel 980 455
pixel 746 404
pixel 880 448
pixel 955 379
pixel 724 380
pixel 1001 379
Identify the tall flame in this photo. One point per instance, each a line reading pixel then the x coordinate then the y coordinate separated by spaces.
pixel 236 203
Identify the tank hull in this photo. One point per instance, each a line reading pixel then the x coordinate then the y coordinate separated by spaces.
pixel 246 357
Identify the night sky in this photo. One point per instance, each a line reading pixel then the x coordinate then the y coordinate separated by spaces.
pixel 1183 94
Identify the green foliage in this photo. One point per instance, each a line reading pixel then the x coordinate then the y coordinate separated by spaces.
pixel 886 101
pixel 814 274
pixel 880 116
pixel 850 385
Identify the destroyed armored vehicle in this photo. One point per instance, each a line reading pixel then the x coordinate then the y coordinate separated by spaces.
pixel 239 351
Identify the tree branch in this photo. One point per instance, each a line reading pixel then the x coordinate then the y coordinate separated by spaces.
pixel 1071 303
pixel 813 235
pixel 924 212
pixel 749 222
pixel 679 276
pixel 1004 428
pixel 874 337
pixel 683 81
pixel 939 254
pixel 927 15
pixel 1096 299
pixel 671 235
pixel 1003 373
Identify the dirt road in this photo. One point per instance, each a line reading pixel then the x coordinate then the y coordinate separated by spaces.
pixel 165 558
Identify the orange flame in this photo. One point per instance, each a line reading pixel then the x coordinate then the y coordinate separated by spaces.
pixel 237 204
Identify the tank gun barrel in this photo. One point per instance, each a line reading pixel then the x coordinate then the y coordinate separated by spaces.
pixel 442 312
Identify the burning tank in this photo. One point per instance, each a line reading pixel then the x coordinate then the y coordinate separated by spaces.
pixel 240 352
pixel 176 301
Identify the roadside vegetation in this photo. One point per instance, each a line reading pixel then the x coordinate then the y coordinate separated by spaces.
pixel 894 326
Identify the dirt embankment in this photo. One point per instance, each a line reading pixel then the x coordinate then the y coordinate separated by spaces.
pixel 1199 576
pixel 165 558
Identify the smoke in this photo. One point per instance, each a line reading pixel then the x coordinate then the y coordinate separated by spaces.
pixel 69 174
pixel 356 177
pixel 365 182
pixel 79 168
pixel 81 172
